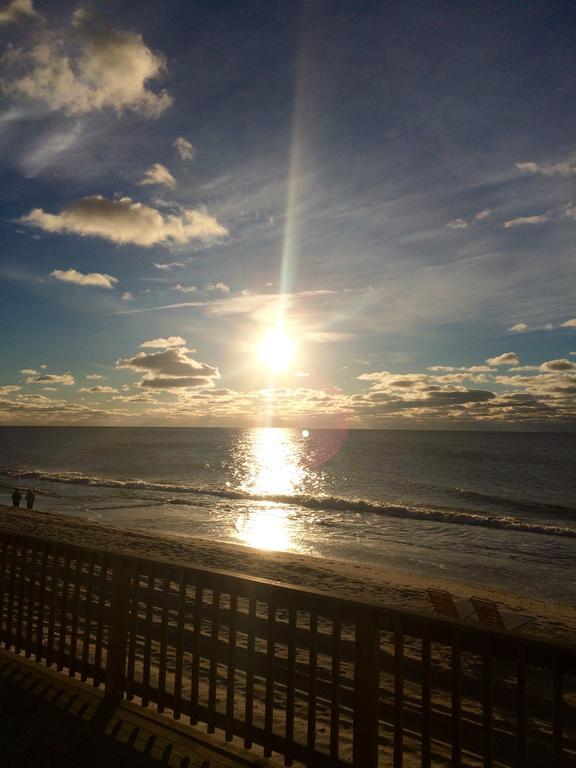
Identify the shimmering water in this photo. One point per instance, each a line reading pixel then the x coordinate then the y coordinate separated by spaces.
pixel 492 508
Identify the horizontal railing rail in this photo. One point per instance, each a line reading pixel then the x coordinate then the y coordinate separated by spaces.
pixel 321 679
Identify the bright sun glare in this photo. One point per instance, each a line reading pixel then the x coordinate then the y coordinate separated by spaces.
pixel 276 350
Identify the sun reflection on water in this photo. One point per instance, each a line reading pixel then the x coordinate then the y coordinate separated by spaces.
pixel 275 463
pixel 272 463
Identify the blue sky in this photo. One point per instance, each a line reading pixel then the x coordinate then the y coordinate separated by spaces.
pixel 387 188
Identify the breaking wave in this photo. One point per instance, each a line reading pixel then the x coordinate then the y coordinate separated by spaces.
pixel 317 502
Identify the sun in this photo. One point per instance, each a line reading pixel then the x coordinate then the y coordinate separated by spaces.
pixel 276 350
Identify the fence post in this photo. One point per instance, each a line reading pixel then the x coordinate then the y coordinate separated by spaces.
pixel 115 681
pixel 366 690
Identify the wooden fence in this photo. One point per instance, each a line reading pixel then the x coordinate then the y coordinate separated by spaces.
pixel 319 679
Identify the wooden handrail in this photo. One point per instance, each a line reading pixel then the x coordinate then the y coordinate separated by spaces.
pixel 186 637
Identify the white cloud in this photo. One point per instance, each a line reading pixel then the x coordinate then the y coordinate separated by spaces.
pixel 95 68
pixel 127 296
pixel 184 148
pixel 125 221
pixel 99 389
pixel 507 358
pixel 565 167
pixel 216 288
pixel 558 365
pixel 8 389
pixel 167 267
pixel 170 369
pixel 323 337
pixel 49 378
pixel 16 10
pixel 185 288
pixel 170 341
pixel 523 221
pixel 569 323
pixel 92 279
pixel 457 224
pixel 94 376
pixel 483 215
pixel 519 328
pixel 158 174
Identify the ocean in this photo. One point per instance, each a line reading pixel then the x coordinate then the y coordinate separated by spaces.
pixel 490 508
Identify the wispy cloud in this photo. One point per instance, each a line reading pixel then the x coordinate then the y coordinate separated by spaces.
pixel 17 10
pixel 158 174
pixel 92 279
pixel 184 148
pixel 507 358
pixel 566 167
pixel 526 221
pixel 164 343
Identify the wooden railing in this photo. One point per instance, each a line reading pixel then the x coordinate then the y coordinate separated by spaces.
pixel 322 680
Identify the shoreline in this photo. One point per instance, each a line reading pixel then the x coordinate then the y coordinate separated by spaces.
pixel 389 586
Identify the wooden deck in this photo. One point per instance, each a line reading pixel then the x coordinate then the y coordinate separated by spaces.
pixel 48 719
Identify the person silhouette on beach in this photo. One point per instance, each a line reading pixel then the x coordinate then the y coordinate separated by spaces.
pixel 16 498
pixel 30 496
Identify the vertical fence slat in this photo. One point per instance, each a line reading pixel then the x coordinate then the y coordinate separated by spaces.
pixel 23 559
pixel 426 696
pixel 11 588
pixel 312 680
pixel 335 702
pixel 148 631
pixel 99 639
pixel 195 684
pixel 54 560
pixel 521 693
pixel 118 629
pixel 250 640
pixel 163 644
pixel 63 612
pixel 78 575
pixel 133 631
pixel 179 651
pixel 231 671
pixel 41 604
pixel 31 599
pixel 487 702
pixel 557 716
pixel 86 639
pixel 290 685
pixel 398 694
pixel 270 657
pixel 213 669
pixel 366 689
pixel 456 701
pixel 3 585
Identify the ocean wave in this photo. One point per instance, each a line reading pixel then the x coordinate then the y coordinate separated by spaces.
pixel 308 501
pixel 516 504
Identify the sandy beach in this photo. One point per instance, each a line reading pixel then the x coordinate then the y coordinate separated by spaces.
pixel 388 586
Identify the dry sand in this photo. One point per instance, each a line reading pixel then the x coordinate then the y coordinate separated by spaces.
pixel 384 585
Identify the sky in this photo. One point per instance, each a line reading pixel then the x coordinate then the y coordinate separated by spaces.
pixel 331 213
